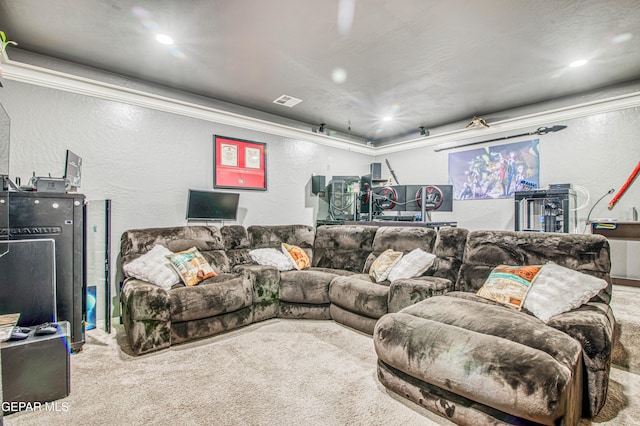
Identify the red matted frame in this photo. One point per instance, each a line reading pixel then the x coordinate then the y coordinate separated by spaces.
pixel 239 164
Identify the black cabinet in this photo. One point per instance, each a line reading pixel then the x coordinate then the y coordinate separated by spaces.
pixel 61 217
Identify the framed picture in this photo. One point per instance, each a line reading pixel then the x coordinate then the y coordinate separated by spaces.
pixel 239 164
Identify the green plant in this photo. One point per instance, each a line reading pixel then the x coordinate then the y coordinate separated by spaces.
pixel 5 42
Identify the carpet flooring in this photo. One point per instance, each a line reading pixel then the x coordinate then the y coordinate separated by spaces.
pixel 277 372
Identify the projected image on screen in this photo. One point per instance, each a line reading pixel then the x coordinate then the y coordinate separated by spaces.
pixel 210 205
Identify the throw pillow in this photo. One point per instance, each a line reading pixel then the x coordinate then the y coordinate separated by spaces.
pixel 271 257
pixel 558 289
pixel 297 256
pixel 153 267
pixel 383 265
pixel 191 266
pixel 508 285
pixel 412 264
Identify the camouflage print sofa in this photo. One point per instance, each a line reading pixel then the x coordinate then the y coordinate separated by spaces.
pixel 476 362
pixel 244 292
pixel 439 345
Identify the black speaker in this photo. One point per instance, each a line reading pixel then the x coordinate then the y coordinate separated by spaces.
pixel 318 184
pixel 376 170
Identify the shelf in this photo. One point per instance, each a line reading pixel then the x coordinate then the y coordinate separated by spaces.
pixel 629 231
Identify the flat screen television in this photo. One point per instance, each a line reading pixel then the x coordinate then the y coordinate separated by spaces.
pixel 211 205
pixel 72 171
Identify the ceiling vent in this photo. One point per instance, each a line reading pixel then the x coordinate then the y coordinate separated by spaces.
pixel 288 101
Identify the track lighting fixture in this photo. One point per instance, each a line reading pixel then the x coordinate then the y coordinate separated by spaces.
pixel 321 128
pixel 423 131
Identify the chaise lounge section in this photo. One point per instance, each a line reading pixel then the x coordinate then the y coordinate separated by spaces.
pixel 475 361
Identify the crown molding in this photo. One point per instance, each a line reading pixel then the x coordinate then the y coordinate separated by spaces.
pixel 39 76
pixel 30 74
pixel 531 121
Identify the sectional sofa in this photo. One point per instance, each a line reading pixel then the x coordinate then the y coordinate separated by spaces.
pixel 469 359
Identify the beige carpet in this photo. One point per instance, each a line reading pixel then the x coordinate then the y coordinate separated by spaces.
pixel 278 372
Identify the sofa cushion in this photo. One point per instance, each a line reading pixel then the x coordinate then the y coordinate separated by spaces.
pixel 557 289
pixel 153 267
pixel 383 264
pixel 185 331
pixel 271 257
pixel 214 296
pixel 406 292
pixel 308 286
pixel 191 266
pixel 449 249
pixel 508 285
pixel 485 352
pixel 218 260
pixel 304 311
pixel 402 239
pixel 302 236
pixel 235 237
pixel 297 256
pixel 352 319
pixel 359 296
pixel 487 249
pixel 412 265
pixel 139 241
pixel 471 312
pixel 343 247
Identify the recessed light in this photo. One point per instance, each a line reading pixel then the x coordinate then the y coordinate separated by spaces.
pixel 578 63
pixel 164 39
pixel 387 118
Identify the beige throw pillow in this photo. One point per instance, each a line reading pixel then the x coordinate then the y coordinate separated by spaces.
pixel 192 266
pixel 508 284
pixel 383 264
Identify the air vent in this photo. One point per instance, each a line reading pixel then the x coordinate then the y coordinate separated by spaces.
pixel 288 101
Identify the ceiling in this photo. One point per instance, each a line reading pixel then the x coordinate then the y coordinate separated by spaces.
pixel 351 62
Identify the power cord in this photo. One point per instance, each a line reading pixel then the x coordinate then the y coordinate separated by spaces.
pixel 609 192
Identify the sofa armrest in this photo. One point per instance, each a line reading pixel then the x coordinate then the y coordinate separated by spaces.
pixel 592 325
pixel 146 316
pixel 406 292
pixel 145 301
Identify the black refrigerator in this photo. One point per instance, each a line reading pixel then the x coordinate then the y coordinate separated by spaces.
pixel 61 217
